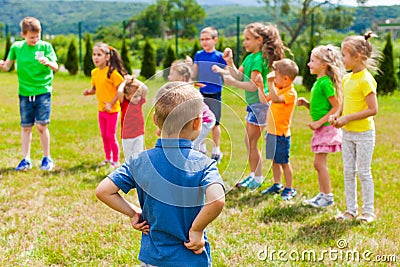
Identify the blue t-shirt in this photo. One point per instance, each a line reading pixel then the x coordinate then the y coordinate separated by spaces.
pixel 170 180
pixel 212 80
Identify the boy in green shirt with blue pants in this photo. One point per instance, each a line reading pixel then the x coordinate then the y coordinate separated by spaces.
pixel 36 63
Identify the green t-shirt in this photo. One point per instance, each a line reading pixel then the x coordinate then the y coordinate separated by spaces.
pixel 33 77
pixel 251 63
pixel 322 89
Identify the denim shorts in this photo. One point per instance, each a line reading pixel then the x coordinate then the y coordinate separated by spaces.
pixel 277 148
pixel 257 114
pixel 35 109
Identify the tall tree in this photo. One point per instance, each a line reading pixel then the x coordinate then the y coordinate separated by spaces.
pixel 8 46
pixel 72 62
pixel 149 61
pixel 169 58
pixel 154 20
pixel 386 77
pixel 293 15
pixel 125 57
pixel 88 64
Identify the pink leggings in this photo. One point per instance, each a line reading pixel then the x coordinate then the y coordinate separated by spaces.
pixel 108 123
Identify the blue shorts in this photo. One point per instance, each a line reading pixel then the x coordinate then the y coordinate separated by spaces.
pixel 257 114
pixel 35 109
pixel 277 148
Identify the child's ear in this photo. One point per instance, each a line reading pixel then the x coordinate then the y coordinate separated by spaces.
pixel 197 123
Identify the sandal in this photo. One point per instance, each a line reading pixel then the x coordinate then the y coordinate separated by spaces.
pixel 367 218
pixel 346 216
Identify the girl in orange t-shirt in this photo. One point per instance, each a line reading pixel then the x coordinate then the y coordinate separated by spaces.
pixel 106 78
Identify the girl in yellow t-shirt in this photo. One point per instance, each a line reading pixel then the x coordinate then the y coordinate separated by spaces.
pixel 359 106
pixel 106 78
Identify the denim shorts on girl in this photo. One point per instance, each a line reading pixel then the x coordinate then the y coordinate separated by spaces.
pixel 257 114
pixel 278 148
pixel 35 109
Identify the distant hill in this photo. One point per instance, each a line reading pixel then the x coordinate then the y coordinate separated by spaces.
pixel 63 16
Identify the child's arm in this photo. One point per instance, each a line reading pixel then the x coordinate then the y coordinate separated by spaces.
pixel 303 102
pixel 335 107
pixel 215 200
pixel 275 98
pixel 233 70
pixel 6 65
pixel 90 91
pixel 371 110
pixel 120 91
pixel 51 64
pixel 232 80
pixel 107 192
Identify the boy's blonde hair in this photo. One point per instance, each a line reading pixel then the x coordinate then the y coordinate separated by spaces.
pixel 286 67
pixel 211 31
pixel 30 24
pixel 360 44
pixel 332 57
pixel 131 86
pixel 183 69
pixel 177 103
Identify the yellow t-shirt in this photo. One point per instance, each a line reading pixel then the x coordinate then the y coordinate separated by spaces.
pixel 356 86
pixel 106 89
pixel 279 116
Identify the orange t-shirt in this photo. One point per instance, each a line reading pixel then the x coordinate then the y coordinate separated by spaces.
pixel 106 88
pixel 279 116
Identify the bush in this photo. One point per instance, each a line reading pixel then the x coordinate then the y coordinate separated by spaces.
pixel 386 77
pixel 8 46
pixel 149 61
pixel 125 57
pixel 72 63
pixel 169 58
pixel 88 64
pixel 308 79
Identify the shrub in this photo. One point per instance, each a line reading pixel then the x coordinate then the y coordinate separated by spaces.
pixel 72 62
pixel 386 77
pixel 88 64
pixel 148 68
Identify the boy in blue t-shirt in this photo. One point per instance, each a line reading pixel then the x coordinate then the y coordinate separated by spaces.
pixel 180 190
pixel 212 89
pixel 37 62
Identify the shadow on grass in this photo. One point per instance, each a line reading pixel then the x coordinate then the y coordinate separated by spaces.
pixel 283 211
pixel 324 232
pixel 6 171
pixel 243 198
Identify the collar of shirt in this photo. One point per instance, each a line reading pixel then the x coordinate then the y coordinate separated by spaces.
pixel 174 142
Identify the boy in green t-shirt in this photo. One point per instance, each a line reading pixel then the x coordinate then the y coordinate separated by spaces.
pixel 36 62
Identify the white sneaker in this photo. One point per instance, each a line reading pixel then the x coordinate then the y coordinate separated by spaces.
pixel 309 201
pixel 323 202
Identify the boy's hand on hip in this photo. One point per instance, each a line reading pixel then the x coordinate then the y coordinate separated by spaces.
pixel 196 241
pixel 138 224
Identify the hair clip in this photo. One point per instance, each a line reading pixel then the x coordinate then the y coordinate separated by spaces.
pixel 111 48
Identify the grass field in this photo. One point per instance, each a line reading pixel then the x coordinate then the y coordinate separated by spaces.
pixel 54 219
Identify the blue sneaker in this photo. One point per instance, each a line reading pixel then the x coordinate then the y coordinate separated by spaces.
pixel 288 193
pixel 24 165
pixel 274 189
pixel 47 164
pixel 253 184
pixel 245 182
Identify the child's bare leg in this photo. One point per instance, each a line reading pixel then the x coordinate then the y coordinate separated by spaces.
pixel 253 134
pixel 44 138
pixel 323 174
pixel 277 172
pixel 26 135
pixel 288 172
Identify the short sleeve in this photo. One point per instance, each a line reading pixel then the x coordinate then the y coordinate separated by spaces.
pixel 123 178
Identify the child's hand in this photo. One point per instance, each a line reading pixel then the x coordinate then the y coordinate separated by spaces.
pixel 228 55
pixel 107 107
pixel 86 92
pixel 196 241
pixel 315 125
pixel 44 61
pixel 138 224
pixel 340 122
pixel 188 60
pixel 229 80
pixel 1 64
pixel 218 69
pixel 302 102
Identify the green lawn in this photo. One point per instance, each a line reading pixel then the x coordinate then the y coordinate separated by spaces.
pixel 54 219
